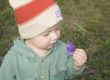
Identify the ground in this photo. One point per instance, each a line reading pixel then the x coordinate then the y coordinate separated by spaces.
pixel 86 23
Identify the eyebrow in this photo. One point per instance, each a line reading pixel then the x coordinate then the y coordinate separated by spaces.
pixel 52 28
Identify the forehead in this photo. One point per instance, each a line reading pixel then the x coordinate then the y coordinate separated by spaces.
pixel 53 27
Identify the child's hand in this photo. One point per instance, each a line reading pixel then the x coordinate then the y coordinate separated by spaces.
pixel 79 57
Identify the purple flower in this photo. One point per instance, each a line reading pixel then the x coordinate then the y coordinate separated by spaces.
pixel 70 48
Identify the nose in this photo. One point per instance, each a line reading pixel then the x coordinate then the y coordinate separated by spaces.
pixel 54 35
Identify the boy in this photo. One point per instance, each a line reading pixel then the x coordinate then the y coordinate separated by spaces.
pixel 38 54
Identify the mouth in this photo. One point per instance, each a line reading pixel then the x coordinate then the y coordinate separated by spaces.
pixel 52 44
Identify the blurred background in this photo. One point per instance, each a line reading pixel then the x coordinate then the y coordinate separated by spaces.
pixel 86 23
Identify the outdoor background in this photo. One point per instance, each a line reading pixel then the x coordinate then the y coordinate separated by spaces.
pixel 86 23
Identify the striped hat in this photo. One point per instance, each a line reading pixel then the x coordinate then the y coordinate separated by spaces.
pixel 35 16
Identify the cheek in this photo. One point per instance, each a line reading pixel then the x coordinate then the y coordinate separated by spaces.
pixel 37 41
pixel 58 33
pixel 43 41
pixel 40 44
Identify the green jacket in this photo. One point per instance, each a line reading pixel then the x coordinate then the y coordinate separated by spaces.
pixel 21 63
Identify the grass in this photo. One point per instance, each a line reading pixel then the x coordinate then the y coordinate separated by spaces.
pixel 86 23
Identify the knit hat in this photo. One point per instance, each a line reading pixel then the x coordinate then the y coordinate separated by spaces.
pixel 35 16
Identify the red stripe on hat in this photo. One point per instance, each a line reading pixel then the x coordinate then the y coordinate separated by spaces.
pixel 30 10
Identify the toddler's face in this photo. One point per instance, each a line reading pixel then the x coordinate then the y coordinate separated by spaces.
pixel 47 39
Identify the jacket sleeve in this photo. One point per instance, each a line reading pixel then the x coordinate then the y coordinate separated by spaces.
pixel 6 70
pixel 71 71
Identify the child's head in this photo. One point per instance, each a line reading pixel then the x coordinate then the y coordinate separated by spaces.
pixel 34 17
pixel 46 39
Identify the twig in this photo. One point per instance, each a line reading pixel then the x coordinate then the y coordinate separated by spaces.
pixel 82 28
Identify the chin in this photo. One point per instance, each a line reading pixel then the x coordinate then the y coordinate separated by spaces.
pixel 50 47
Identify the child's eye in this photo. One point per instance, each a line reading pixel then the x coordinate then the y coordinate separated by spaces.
pixel 57 28
pixel 46 34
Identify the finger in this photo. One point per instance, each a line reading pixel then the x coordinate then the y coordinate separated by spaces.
pixel 79 59
pixel 81 53
pixel 77 62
